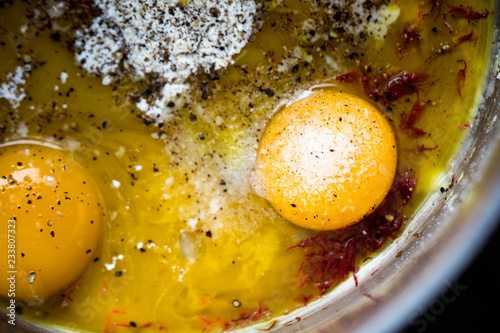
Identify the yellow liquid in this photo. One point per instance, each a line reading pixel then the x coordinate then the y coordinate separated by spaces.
pixel 183 228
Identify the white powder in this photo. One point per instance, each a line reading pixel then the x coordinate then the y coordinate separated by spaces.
pixel 135 38
pixel 120 152
pixel 112 266
pixel 192 223
pixel 13 90
pixel 331 19
pixel 356 17
pixel 22 129
pixel 64 77
pixel 55 8
pixel 291 59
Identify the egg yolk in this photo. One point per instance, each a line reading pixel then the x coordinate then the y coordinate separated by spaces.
pixel 50 213
pixel 326 161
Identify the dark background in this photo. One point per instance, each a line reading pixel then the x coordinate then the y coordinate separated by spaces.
pixel 471 303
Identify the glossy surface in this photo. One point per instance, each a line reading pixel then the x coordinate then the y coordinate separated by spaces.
pixel 54 211
pixel 327 160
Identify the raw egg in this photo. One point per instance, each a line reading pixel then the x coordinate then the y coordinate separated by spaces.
pixel 51 214
pixel 326 161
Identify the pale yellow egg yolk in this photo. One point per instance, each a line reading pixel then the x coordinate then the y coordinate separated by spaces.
pixel 50 213
pixel 326 161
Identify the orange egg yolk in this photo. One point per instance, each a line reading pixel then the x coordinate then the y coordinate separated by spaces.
pixel 50 212
pixel 326 161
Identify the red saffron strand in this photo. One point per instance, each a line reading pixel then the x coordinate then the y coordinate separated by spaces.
pixel 350 77
pixel 422 148
pixel 466 126
pixel 463 38
pixel 446 23
pixel 338 251
pixel 419 17
pixel 108 323
pixel 304 299
pixel 435 4
pixel 67 296
pixel 104 287
pixel 397 86
pixel 415 113
pixel 288 323
pixel 469 13
pixel 384 88
pixel 407 122
pixel 460 80
pixel 208 323
pixel 409 38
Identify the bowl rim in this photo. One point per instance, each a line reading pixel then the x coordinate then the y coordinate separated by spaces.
pixel 459 246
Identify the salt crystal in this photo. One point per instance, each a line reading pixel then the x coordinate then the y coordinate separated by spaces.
pixel 64 77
